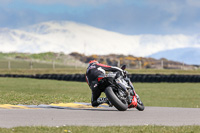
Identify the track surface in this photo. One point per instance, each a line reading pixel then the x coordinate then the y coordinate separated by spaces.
pixel 99 117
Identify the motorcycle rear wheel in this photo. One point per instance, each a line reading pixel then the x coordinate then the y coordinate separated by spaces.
pixel 115 100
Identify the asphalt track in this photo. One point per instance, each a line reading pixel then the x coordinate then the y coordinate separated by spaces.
pixel 54 115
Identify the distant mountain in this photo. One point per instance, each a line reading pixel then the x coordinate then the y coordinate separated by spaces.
pixel 187 55
pixel 67 37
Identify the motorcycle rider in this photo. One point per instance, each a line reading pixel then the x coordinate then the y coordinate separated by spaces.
pixel 94 73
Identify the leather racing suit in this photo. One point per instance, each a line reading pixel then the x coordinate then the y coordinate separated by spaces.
pixel 94 73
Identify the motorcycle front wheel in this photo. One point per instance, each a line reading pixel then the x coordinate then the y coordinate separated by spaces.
pixel 119 104
pixel 140 105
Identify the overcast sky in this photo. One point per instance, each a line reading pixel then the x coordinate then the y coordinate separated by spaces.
pixel 131 17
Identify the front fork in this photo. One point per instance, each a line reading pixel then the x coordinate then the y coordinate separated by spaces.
pixel 132 101
pixel 132 96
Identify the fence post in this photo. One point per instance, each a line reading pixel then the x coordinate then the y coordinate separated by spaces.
pixel 162 66
pixel 118 62
pixel 53 64
pixel 76 64
pixel 182 67
pixel 9 65
pixel 31 65
pixel 140 64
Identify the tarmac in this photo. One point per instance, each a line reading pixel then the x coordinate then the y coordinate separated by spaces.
pixel 83 114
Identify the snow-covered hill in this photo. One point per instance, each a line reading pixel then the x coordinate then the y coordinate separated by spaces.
pixel 67 37
pixel 186 55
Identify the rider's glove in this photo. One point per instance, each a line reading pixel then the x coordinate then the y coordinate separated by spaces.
pixel 124 73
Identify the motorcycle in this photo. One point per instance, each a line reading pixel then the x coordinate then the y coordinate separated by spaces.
pixel 120 91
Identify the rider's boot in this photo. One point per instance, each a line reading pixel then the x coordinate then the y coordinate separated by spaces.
pixel 102 100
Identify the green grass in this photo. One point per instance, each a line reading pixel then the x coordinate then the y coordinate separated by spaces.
pixel 26 65
pixel 82 70
pixel 12 62
pixel 48 56
pixel 109 129
pixel 23 67
pixel 20 64
pixel 34 91
pixel 67 70
pixel 169 94
pixel 164 71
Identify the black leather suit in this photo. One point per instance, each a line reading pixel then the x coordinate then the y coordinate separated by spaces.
pixel 93 75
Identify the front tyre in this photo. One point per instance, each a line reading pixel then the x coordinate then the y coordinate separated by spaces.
pixel 140 105
pixel 120 105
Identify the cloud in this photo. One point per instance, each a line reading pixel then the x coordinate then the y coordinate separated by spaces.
pixel 124 16
pixel 172 8
pixel 70 37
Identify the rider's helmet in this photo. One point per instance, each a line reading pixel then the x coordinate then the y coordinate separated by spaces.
pixel 93 61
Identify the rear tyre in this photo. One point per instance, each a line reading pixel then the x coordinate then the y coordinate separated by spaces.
pixel 121 106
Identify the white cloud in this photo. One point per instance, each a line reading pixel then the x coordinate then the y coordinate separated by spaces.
pixel 124 16
pixel 71 37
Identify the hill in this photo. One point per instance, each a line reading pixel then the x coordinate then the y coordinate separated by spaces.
pixel 133 62
pixel 41 60
pixel 68 37
pixel 187 55
pixel 49 59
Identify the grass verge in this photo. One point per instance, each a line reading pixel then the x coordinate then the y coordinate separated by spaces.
pixel 34 91
pixel 109 129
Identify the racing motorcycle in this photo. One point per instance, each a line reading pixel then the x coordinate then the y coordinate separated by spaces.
pixel 120 91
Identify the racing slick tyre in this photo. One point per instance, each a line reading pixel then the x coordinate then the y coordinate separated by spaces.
pixel 120 105
pixel 140 105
